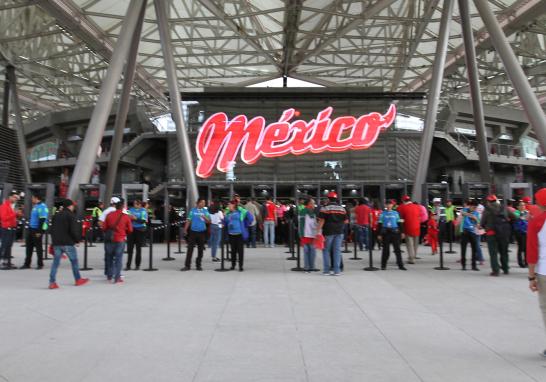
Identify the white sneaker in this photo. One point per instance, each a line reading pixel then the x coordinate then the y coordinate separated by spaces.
pixel 326 274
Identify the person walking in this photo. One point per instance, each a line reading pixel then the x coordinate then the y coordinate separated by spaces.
pixel 37 226
pixel 520 224
pixel 497 231
pixel 536 252
pixel 308 233
pixel 196 231
pixel 469 227
pixel 410 214
pixel 391 233
pixel 111 208
pixel 135 240
pixel 216 229
pixel 117 225
pixel 237 222
pixel 362 224
pixel 8 222
pixel 270 222
pixel 332 220
pixel 65 234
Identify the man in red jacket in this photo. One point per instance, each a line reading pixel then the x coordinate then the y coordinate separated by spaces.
pixel 362 224
pixel 8 221
pixel 410 213
pixel 536 252
pixel 120 224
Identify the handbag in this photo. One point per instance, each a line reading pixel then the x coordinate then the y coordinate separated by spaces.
pixel 109 233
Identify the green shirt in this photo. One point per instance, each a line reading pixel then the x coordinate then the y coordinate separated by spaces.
pixel 450 213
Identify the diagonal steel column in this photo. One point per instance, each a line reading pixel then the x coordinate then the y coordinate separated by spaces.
pixel 477 106
pixel 5 105
pixel 123 108
pixel 528 98
pixel 433 101
pixel 19 127
pixel 97 124
pixel 176 102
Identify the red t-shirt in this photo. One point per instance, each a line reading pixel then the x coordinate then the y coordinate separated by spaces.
pixel 121 228
pixel 362 214
pixel 271 208
pixel 8 217
pixel 411 213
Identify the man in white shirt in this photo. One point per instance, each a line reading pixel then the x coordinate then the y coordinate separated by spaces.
pixel 113 201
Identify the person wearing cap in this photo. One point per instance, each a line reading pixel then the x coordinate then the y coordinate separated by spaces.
pixel 8 222
pixel 37 226
pixel 469 227
pixel 113 201
pixel 196 230
pixel 390 228
pixel 536 252
pixel 65 233
pixel 120 224
pixel 497 231
pixel 410 214
pixel 362 224
pixel 529 206
pixel 237 222
pixel 332 220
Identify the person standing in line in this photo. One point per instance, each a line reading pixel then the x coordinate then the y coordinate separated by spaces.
pixel 8 222
pixel 120 225
pixel 196 230
pixel 253 228
pixel 432 234
pixel 536 252
pixel 451 215
pixel 497 231
pixel 37 227
pixel 65 234
pixel 216 227
pixel 308 233
pixel 113 201
pixel 410 214
pixel 95 215
pixel 521 221
pixel 332 220
pixel 390 233
pixel 139 218
pixel 362 224
pixel 376 213
pixel 270 222
pixel 237 222
pixel 423 219
pixel 469 226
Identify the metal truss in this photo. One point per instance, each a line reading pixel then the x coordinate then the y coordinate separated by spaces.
pixel 61 48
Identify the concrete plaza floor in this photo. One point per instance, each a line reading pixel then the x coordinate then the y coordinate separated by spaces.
pixel 271 324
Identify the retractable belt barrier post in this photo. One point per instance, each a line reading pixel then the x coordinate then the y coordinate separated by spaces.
pixel 291 241
pixel 85 254
pixel 441 247
pixel 169 258
pixel 450 238
pixel 298 267
pixel 151 247
pixel 222 254
pixel 179 240
pixel 370 266
pixel 47 242
pixel 346 246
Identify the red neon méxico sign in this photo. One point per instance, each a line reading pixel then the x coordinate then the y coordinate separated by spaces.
pixel 220 141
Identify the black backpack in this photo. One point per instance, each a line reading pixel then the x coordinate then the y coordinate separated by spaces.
pixel 502 226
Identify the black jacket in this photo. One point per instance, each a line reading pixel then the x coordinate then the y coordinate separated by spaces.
pixel 65 230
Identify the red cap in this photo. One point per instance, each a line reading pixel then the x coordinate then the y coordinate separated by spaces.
pixel 491 198
pixel 540 197
pixel 332 195
pixel 406 198
pixel 526 199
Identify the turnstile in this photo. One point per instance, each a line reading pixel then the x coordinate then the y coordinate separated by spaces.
pixel 517 190
pixel 132 191
pixel 435 190
pixel 475 190
pixel 89 196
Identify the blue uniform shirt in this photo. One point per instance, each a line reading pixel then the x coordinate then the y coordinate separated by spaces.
pixel 389 219
pixel 234 223
pixel 197 219
pixel 468 223
pixel 142 217
pixel 39 211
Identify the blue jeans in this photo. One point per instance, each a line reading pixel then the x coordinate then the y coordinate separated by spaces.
pixel 362 233
pixel 70 251
pixel 252 236
pixel 215 238
pixel 269 233
pixel 479 253
pixel 114 259
pixel 332 245
pixel 7 235
pixel 309 253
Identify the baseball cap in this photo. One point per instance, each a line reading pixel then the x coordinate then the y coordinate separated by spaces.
pixel 526 199
pixel 406 198
pixel 437 200
pixel 115 200
pixel 540 197
pixel 332 195
pixel 491 198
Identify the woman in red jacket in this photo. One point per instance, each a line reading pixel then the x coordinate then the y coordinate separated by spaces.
pixel 432 234
pixel 8 220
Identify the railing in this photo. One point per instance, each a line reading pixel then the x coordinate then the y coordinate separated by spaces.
pixel 503 149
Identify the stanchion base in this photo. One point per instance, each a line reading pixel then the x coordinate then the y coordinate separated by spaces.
pixel 370 269
pixel 292 258
pixel 442 268
pixel 168 259
pixel 49 258
pixel 344 251
pixel 86 269
pixel 150 269
pixel 7 267
pixel 222 270
pixel 450 252
pixel 179 253
pixel 355 258
pixel 297 269
pixel 91 245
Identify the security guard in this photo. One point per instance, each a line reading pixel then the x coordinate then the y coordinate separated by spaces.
pixel 37 226
pixel 390 233
pixel 95 214
pixel 139 218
